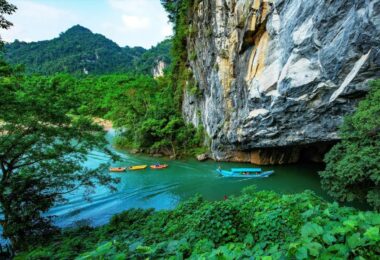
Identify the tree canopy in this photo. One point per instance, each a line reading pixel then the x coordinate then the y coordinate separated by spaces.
pixel 44 141
pixel 79 51
pixel 353 165
pixel 6 8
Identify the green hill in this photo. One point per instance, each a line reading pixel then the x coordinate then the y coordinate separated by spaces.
pixel 79 51
pixel 160 52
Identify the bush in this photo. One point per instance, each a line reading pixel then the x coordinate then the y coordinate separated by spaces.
pixel 261 225
pixel 353 165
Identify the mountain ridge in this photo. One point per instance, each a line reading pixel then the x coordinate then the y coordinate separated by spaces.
pixel 80 51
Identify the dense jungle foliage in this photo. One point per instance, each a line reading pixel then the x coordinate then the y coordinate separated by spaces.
pixel 254 224
pixel 144 109
pixel 148 60
pixel 79 51
pixel 353 165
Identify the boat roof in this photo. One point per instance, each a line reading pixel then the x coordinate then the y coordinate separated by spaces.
pixel 246 169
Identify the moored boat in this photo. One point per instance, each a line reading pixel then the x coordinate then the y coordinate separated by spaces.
pixel 137 167
pixel 117 169
pixel 159 166
pixel 245 173
pixel 246 170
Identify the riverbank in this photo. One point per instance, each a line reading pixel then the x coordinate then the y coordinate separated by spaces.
pixel 106 124
pixel 165 189
pixel 253 224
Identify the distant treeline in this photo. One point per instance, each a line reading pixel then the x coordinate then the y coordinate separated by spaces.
pixel 79 51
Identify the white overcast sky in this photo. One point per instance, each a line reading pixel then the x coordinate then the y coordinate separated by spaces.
pixel 126 22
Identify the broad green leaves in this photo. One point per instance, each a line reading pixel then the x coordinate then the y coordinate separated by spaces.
pixel 261 225
pixel 311 230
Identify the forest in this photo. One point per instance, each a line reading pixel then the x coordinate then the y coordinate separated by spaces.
pixel 78 51
pixel 47 130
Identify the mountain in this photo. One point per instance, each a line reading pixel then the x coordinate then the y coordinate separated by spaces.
pixel 158 56
pixel 79 51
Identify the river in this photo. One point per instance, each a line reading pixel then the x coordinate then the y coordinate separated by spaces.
pixel 164 189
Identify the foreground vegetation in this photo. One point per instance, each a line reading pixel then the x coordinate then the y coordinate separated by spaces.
pixel 254 224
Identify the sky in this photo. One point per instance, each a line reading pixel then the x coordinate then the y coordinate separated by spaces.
pixel 127 22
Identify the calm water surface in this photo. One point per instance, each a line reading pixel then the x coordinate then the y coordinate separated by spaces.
pixel 164 189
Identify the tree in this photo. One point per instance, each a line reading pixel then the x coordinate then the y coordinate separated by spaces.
pixel 353 165
pixel 6 8
pixel 43 144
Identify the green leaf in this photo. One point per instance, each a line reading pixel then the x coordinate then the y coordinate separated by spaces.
pixel 311 230
pixel 301 253
pixel 144 249
pixel 328 238
pixel 103 249
pixel 341 230
pixel 350 223
pixel 372 234
pixel 355 240
pixel 249 239
pixel 374 219
pixel 120 256
pixel 314 248
pixel 339 249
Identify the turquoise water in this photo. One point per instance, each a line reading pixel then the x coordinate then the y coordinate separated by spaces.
pixel 164 189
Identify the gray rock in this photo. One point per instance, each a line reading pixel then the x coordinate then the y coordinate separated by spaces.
pixel 279 73
pixel 202 157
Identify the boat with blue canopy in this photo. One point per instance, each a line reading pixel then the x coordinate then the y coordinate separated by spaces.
pixel 240 170
pixel 245 173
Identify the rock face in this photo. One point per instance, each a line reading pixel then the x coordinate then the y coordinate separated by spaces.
pixel 275 78
pixel 158 70
pixel 202 157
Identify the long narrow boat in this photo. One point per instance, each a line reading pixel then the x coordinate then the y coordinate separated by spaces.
pixel 159 166
pixel 137 167
pixel 246 170
pixel 245 173
pixel 117 169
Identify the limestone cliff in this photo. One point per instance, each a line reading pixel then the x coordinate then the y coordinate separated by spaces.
pixel 276 77
pixel 158 69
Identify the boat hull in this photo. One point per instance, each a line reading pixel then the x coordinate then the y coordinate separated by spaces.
pixel 117 169
pixel 158 167
pixel 238 175
pixel 137 167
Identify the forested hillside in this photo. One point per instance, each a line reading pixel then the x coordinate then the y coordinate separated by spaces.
pixel 150 58
pixel 213 101
pixel 79 51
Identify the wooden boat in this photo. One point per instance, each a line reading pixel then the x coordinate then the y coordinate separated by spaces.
pixel 245 173
pixel 137 167
pixel 159 166
pixel 117 169
pixel 246 170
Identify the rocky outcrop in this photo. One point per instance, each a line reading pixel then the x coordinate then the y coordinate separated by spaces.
pixel 202 157
pixel 158 70
pixel 274 76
